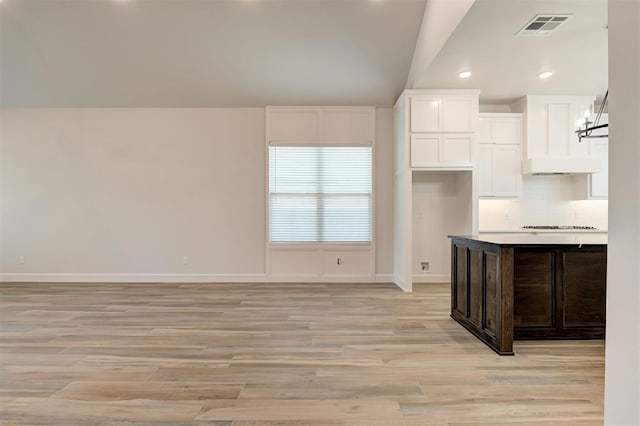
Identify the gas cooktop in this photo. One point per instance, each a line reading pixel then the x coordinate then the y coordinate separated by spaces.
pixel 558 227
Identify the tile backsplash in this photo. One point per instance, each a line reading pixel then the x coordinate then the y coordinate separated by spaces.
pixel 546 200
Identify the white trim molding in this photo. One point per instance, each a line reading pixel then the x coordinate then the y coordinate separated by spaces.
pixel 133 278
pixel 432 278
pixel 188 278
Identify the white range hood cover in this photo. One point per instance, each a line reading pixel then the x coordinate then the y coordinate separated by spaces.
pixel 560 165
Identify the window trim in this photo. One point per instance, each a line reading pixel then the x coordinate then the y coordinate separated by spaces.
pixel 320 247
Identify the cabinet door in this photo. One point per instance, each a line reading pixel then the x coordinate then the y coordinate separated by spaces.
pixel 425 150
pixel 456 150
pixel 459 113
pixel 426 114
pixel 485 171
pixel 507 130
pixel 499 170
pixel 599 182
pixel 507 175
pixel 534 288
pixel 485 133
pixel 584 288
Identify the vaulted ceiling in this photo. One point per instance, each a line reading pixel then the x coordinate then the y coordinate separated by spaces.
pixel 205 53
pixel 239 53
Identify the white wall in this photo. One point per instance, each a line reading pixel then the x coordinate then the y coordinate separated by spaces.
pixel 441 207
pixel 622 370
pixel 546 200
pixel 124 194
pixel 384 193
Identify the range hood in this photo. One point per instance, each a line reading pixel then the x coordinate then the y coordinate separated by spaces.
pixel 560 165
pixel 551 143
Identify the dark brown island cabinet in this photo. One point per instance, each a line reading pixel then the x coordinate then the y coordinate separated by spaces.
pixel 529 286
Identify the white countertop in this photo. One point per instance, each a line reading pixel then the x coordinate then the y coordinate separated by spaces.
pixel 527 238
pixel 543 231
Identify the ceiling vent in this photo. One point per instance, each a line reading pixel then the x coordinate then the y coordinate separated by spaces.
pixel 543 24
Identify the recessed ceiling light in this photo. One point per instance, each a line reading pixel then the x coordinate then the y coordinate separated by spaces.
pixel 464 74
pixel 545 74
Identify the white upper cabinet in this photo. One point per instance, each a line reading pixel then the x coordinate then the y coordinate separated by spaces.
pixel 596 185
pixel 460 113
pixel 500 155
pixel 426 114
pixel 441 150
pixel 445 113
pixel 599 182
pixel 507 175
pixel 500 128
pixel 442 128
pixel 485 171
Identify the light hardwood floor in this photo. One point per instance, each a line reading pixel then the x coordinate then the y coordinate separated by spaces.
pixel 256 354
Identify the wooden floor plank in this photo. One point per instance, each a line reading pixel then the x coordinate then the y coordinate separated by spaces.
pixel 275 354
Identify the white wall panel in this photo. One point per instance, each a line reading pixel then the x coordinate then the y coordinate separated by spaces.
pixel 294 125
pixel 348 125
pixel 296 261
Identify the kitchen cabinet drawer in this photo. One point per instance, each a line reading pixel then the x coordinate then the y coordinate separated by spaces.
pixel 454 150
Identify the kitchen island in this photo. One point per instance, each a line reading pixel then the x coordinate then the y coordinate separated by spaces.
pixel 529 286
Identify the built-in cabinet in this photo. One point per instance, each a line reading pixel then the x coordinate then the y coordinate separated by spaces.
pixel 435 185
pixel 442 129
pixel 500 155
pixel 443 113
pixel 441 150
pixel 598 183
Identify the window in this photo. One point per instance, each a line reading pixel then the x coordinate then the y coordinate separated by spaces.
pixel 320 194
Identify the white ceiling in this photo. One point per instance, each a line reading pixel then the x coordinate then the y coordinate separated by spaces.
pixel 205 53
pixel 505 67
pixel 232 53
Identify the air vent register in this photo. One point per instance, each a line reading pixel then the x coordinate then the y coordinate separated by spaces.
pixel 543 24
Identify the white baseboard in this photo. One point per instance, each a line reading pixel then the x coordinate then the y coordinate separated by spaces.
pixel 401 284
pixel 384 278
pixel 185 278
pixel 133 278
pixel 431 278
pixel 304 278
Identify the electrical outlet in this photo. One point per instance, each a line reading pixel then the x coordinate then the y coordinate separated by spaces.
pixel 185 260
pixel 424 266
pixel 339 261
pixel 21 260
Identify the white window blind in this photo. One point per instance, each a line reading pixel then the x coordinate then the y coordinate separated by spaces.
pixel 320 194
